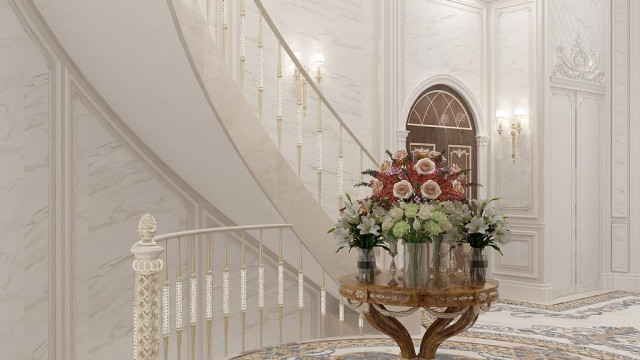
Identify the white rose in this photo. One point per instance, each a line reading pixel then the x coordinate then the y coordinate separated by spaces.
pixel 387 224
pixel 400 154
pixel 385 166
pixel 425 166
pixel 425 212
pixel 430 190
pixel 421 153
pixel 396 213
pixel 403 189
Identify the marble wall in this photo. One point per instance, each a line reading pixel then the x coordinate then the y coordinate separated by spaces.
pixel 25 214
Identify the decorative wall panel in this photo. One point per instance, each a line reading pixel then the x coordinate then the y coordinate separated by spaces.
pixel 25 215
pixel 519 257
pixel 620 110
pixel 620 247
pixel 515 49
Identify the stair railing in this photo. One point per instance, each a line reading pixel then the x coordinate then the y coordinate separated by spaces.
pixel 304 81
pixel 153 307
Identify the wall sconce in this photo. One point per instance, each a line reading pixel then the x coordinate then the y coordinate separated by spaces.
pixel 514 125
pixel 301 82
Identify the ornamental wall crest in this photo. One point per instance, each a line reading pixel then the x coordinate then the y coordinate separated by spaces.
pixel 577 65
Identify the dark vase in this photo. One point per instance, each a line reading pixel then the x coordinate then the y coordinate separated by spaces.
pixel 478 265
pixel 366 265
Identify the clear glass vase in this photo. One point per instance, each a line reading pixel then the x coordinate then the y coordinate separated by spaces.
pixel 435 265
pixel 416 265
pixel 366 265
pixel 478 264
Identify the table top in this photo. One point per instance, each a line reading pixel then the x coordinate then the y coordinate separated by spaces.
pixel 454 293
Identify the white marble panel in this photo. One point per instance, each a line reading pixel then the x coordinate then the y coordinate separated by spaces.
pixel 444 38
pixel 24 193
pixel 569 19
pixel 514 82
pixel 620 114
pixel 620 247
pixel 112 190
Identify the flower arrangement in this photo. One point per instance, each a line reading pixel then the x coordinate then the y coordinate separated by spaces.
pixel 359 225
pixel 416 223
pixel 417 177
pixel 479 224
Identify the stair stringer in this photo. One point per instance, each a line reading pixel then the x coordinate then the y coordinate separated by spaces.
pixel 269 168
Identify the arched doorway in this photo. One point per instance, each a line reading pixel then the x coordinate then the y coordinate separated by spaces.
pixel 440 119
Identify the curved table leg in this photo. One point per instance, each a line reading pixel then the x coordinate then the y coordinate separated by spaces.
pixel 439 331
pixel 394 329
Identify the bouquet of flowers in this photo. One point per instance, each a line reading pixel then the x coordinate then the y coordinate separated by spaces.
pixel 479 224
pixel 417 177
pixel 359 225
pixel 416 223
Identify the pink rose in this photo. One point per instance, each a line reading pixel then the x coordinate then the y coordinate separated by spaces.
pixel 402 189
pixel 457 187
pixel 385 166
pixel 425 166
pixel 455 168
pixel 430 190
pixel 400 154
pixel 421 153
pixel 376 186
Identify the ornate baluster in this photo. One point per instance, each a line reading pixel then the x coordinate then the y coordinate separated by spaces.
pixel 225 294
pixel 260 67
pixel 165 304
pixel 323 305
pixel 341 315
pixel 279 97
pixel 319 141
pixel 340 170
pixel 361 322
pixel 243 42
pixel 147 265
pixel 361 176
pixel 179 303
pixel 135 330
pixel 243 291
pixel 299 122
pixel 208 9
pixel 193 298
pixel 225 26
pixel 261 288
pixel 209 299
pixel 300 291
pixel 280 285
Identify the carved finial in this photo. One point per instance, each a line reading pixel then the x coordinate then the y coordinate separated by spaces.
pixel 147 229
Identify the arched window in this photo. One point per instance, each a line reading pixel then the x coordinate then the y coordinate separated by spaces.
pixel 441 120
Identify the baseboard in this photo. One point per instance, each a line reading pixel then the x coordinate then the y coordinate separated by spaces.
pixel 523 291
pixel 626 282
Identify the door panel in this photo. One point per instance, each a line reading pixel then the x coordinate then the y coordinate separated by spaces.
pixel 589 156
pixel 561 191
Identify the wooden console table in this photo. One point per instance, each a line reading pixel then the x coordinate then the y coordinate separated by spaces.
pixel 461 301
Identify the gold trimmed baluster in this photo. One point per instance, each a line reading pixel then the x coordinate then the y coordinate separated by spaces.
pixel 243 292
pixel 341 314
pixel 225 26
pixel 279 97
pixel 260 67
pixel 209 299
pixel 165 303
pixel 340 170
pixel 319 143
pixel 261 289
pixel 280 285
pixel 361 177
pixel 225 294
pixel 323 305
pixel 179 303
pixel 300 291
pixel 193 298
pixel 243 42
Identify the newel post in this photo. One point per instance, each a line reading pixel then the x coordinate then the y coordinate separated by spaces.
pixel 147 265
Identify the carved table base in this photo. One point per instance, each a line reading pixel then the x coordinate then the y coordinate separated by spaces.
pixel 441 329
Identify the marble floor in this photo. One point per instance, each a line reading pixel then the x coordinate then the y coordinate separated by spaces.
pixel 605 326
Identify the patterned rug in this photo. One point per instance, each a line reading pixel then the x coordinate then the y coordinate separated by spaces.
pixel 599 327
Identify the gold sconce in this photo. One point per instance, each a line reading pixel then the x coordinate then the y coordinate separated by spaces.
pixel 301 82
pixel 513 124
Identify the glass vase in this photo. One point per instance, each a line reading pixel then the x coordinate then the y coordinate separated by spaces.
pixel 416 266
pixel 478 265
pixel 436 265
pixel 366 265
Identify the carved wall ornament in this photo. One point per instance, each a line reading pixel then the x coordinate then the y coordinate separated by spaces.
pixel 577 65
